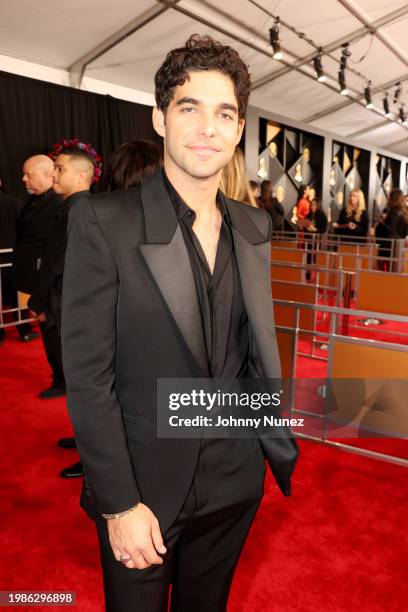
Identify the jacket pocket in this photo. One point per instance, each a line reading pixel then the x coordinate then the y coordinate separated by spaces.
pixel 135 427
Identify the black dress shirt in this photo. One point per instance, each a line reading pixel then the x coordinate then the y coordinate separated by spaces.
pixel 223 314
pixel 228 460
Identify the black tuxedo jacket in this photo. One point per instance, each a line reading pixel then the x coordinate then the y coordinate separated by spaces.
pixel 130 316
pixel 36 224
pixel 47 293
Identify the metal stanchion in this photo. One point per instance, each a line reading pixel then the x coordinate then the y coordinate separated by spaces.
pixel 348 279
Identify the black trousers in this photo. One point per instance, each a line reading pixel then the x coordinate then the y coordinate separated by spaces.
pixel 52 344
pixel 204 543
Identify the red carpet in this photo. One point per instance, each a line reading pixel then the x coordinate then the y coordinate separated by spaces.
pixel 339 544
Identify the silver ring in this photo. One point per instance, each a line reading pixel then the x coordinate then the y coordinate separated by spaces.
pixel 124 559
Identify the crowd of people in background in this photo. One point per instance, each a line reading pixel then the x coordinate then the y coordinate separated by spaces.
pixel 308 217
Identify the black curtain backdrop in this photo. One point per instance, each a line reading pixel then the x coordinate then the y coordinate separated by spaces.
pixel 35 114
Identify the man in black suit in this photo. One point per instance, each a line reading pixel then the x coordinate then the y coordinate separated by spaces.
pixel 10 210
pixel 36 224
pixel 171 280
pixel 72 177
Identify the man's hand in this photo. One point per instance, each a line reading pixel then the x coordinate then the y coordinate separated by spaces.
pixel 137 536
pixel 39 317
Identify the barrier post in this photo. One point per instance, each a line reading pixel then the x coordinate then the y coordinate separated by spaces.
pixel 348 281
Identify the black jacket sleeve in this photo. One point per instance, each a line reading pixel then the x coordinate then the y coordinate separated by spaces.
pixel 52 265
pixel 90 293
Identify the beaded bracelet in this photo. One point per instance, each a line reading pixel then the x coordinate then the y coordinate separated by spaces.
pixel 109 517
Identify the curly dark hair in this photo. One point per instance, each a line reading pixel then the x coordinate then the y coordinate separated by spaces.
pixel 201 53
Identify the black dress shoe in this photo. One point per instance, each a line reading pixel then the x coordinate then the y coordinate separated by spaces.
pixel 53 392
pixel 66 443
pixel 73 471
pixel 28 337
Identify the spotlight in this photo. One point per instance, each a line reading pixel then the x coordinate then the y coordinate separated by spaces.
pixel 397 93
pixel 386 106
pixel 345 54
pixel 277 51
pixel 368 97
pixel 317 63
pixel 274 40
pixel 342 83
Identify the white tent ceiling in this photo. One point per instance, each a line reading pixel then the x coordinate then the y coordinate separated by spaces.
pixel 124 41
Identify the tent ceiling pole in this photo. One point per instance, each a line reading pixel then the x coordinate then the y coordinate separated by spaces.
pixel 77 69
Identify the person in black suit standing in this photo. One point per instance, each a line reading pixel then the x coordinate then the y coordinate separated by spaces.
pixel 36 224
pixel 10 210
pixel 72 177
pixel 171 280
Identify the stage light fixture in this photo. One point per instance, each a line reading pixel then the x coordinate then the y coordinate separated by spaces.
pixel 345 54
pixel 368 96
pixel 274 40
pixel 342 83
pixel 386 106
pixel 317 63
pixel 397 93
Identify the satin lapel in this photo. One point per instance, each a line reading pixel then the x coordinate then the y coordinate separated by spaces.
pixel 253 255
pixel 166 256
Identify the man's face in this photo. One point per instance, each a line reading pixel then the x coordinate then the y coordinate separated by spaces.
pixel 201 127
pixel 35 179
pixel 66 176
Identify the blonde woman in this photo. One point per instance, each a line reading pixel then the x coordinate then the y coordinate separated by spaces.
pixel 353 218
pixel 234 181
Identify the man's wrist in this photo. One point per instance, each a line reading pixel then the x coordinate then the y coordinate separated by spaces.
pixel 109 517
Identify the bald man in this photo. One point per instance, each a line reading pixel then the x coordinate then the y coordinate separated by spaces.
pixel 36 223
pixel 72 177
pixel 37 174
